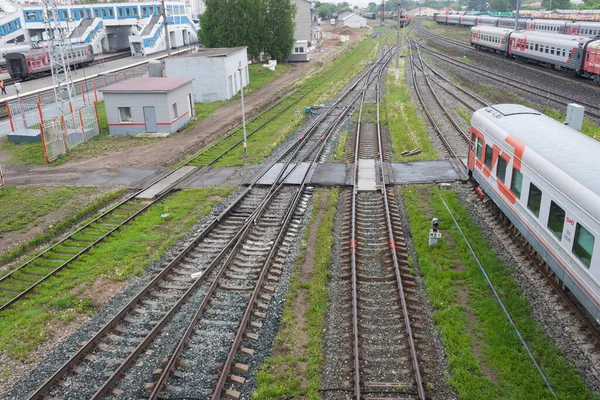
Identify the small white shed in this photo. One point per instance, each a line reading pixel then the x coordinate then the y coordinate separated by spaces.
pixel 355 21
pixel 216 71
pixel 148 105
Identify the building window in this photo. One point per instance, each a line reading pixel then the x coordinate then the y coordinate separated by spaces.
pixel 516 182
pixel 175 111
pixel 583 246
pixel 489 152
pixel 501 169
pixel 534 199
pixel 125 114
pixel 556 220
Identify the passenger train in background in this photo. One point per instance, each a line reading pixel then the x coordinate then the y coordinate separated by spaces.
pixel 576 55
pixel 577 28
pixel 546 180
pixel 28 64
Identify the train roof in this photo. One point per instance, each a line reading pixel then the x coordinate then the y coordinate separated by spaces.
pixel 492 29
pixel 555 36
pixel 567 149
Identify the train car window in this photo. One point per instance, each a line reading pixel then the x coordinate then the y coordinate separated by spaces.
pixel 135 11
pixel 556 220
pixel 127 12
pixel 125 114
pixel 546 49
pixel 489 152
pixel 479 148
pixel 111 12
pixel 534 199
pixel 120 12
pixel 583 245
pixel 501 169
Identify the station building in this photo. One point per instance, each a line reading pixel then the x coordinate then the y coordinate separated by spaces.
pixel 106 27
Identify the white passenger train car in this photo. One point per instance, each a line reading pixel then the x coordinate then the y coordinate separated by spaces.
pixel 546 178
pixel 490 38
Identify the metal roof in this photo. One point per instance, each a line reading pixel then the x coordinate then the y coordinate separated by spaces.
pixel 572 152
pixel 209 53
pixel 147 85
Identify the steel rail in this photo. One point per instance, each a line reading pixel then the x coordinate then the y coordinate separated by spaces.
pixel 169 368
pixel 355 346
pixel 543 93
pixel 392 241
pixel 434 122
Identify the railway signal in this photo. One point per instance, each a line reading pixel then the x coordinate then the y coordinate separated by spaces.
pixel 434 233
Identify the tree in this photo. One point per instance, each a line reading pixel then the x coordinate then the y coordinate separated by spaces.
pixel 556 4
pixel 324 11
pixel 279 28
pixel 373 7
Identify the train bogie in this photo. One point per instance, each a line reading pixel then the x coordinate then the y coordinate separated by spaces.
pixel 545 177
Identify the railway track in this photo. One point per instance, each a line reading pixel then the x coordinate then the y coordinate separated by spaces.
pixel 456 157
pixel 375 268
pixel 220 283
pixel 17 284
pixel 592 110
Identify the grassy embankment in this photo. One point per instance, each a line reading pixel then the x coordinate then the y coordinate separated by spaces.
pixel 406 128
pixel 264 141
pixel 21 209
pixel 124 255
pixel 33 153
pixel 485 356
pixel 294 368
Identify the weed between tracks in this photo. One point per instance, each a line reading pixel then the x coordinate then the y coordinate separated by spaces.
pixel 486 359
pixel 406 129
pixel 460 33
pixel 340 148
pixel 294 368
pixel 75 292
pixel 22 207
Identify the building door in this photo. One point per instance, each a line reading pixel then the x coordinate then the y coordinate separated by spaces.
pixel 150 120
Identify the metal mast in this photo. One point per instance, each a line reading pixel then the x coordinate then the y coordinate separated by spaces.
pixel 58 48
pixel 382 22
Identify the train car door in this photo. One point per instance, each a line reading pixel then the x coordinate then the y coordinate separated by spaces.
pixel 150 119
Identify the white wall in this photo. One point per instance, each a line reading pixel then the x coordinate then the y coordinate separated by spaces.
pixel 302 20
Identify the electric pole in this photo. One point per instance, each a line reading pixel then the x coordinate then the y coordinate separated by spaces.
pixel 167 40
pixel 398 39
pixel 382 23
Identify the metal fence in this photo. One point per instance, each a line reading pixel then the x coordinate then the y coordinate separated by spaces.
pixel 26 112
pixel 62 133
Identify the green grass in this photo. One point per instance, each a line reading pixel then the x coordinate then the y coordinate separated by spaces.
pixel 465 114
pixel 11 197
pixel 122 256
pixel 23 153
pixel 459 33
pixel 264 141
pixel 260 76
pixel 294 370
pixel 22 207
pixel 588 127
pixel 340 148
pixel 485 356
pixel 406 128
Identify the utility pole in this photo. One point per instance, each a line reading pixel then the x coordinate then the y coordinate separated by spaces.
pixel 382 23
pixel 398 39
pixel 164 15
pixel 240 68
pixel 517 15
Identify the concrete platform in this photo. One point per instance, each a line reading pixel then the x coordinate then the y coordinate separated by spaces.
pixel 332 174
pixel 294 175
pixel 210 177
pixel 424 172
pixel 367 177
pixel 166 184
pixel 25 136
pixel 128 177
